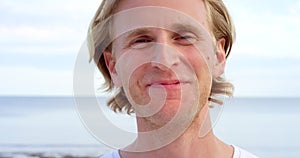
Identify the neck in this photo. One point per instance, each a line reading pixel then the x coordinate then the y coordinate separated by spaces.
pixel 197 141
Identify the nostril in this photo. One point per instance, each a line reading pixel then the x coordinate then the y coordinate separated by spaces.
pixel 160 66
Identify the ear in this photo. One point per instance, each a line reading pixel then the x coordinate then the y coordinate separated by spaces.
pixel 220 58
pixel 110 64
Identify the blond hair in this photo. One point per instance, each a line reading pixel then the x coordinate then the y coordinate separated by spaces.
pixel 220 24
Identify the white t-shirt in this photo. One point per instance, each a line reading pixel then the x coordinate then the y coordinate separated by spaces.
pixel 241 153
pixel 238 153
pixel 113 154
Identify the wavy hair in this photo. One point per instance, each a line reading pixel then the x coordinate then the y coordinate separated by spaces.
pixel 221 26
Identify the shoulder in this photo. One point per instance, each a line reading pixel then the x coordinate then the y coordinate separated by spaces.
pixel 112 154
pixel 241 153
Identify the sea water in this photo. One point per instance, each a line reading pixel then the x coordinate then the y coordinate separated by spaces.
pixel 51 126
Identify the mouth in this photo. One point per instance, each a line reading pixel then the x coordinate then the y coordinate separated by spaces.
pixel 168 84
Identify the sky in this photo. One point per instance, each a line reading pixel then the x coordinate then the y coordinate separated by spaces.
pixel 39 42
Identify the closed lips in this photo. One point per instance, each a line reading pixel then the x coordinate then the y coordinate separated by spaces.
pixel 166 83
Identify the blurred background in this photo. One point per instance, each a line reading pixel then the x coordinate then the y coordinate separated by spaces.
pixel 39 43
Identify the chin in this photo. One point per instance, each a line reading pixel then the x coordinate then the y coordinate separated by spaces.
pixel 169 112
pixel 164 115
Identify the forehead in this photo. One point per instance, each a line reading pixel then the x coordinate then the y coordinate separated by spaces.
pixel 192 8
pixel 134 14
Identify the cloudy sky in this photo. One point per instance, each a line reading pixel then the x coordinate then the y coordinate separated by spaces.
pixel 39 42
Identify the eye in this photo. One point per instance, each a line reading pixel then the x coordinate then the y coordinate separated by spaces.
pixel 186 39
pixel 140 42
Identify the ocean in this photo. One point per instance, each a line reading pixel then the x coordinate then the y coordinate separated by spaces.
pixel 51 127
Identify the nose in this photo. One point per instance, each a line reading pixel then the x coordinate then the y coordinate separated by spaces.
pixel 164 56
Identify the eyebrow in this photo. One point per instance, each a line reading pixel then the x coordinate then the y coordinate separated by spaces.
pixel 177 28
pixel 137 32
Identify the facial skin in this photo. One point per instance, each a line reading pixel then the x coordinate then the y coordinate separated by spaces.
pixel 173 65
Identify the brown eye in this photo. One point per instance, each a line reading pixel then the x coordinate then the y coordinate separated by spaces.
pixel 186 39
pixel 140 42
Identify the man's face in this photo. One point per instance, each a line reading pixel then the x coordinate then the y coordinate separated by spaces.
pixel 164 62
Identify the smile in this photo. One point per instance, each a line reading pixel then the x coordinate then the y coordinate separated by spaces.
pixel 168 84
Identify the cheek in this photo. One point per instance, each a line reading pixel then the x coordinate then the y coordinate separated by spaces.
pixel 202 66
pixel 129 69
pixel 200 62
pixel 135 78
pixel 133 86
